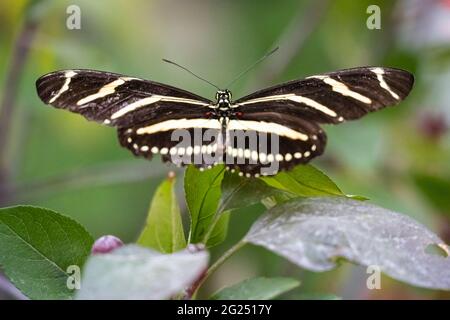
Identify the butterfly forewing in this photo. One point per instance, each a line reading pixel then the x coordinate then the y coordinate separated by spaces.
pixel 117 100
pixel 333 97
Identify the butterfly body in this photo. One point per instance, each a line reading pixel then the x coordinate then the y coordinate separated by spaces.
pixel 260 134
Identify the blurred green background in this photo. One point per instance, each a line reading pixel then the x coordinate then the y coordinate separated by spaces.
pixel 399 157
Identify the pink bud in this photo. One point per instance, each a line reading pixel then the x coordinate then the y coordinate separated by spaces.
pixel 106 244
pixel 433 125
pixel 193 248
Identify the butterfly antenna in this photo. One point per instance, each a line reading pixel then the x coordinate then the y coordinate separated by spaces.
pixel 252 66
pixel 186 69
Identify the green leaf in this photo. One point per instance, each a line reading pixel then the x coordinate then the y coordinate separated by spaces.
pixel 257 289
pixel 240 192
pixel 237 192
pixel 214 192
pixel 36 248
pixel 202 190
pixel 164 228
pixel 134 272
pixel 317 296
pixel 305 181
pixel 436 190
pixel 314 232
pixel 219 231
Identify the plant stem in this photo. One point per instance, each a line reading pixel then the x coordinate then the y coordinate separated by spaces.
pixel 9 291
pixel 219 212
pixel 19 56
pixel 224 257
pixel 218 263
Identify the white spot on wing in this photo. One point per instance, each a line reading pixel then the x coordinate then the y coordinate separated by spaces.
pixel 262 157
pixel 155 150
pixel 255 155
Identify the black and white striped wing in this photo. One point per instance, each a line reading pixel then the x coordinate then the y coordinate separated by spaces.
pixel 181 142
pixel 263 143
pixel 293 111
pixel 118 100
pixel 154 118
pixel 333 97
pixel 147 114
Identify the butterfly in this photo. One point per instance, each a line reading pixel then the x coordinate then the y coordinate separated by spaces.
pixel 260 134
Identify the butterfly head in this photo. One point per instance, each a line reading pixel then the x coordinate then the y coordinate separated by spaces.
pixel 223 99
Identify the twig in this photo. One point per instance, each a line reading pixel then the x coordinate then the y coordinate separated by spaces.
pixel 213 224
pixel 9 291
pixel 19 56
pixel 98 175
pixel 216 265
pixel 224 257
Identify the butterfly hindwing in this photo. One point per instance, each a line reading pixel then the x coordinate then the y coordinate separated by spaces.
pixel 195 143
pixel 264 143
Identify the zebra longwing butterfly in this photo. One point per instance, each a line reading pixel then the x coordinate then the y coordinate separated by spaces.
pixel 151 117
